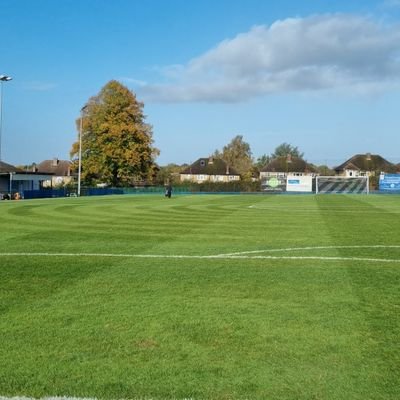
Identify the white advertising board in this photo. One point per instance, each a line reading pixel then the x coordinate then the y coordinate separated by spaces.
pixel 299 184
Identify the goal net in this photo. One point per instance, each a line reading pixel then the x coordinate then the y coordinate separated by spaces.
pixel 341 184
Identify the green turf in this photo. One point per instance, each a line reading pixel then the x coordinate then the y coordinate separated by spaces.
pixel 201 328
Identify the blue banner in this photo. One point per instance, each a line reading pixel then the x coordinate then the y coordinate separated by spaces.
pixel 389 183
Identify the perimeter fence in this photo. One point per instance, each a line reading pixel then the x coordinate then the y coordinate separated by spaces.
pixel 388 184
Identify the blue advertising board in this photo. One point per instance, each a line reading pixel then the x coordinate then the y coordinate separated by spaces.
pixel 389 183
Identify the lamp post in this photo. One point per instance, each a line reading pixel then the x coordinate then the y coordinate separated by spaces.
pixel 288 161
pixel 369 173
pixel 80 151
pixel 3 78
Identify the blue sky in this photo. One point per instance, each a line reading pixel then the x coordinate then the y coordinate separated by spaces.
pixel 321 75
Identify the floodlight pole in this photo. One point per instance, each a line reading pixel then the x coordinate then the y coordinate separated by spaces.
pixel 3 78
pixel 80 152
pixel 80 157
pixel 288 161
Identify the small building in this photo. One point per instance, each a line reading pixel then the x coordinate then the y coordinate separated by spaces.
pixel 13 179
pixel 59 169
pixel 209 170
pixel 364 165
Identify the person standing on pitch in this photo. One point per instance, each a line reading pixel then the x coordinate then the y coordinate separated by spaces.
pixel 168 191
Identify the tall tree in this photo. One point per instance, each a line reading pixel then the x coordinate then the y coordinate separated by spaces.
pixel 237 154
pixel 284 149
pixel 324 170
pixel 262 161
pixel 117 144
pixel 168 174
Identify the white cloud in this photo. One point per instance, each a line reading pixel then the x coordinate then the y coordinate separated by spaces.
pixel 38 86
pixel 391 3
pixel 340 52
pixel 133 81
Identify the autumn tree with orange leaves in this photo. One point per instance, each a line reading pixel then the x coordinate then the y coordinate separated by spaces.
pixel 117 143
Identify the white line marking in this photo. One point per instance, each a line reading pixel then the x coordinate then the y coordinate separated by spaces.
pixel 377 246
pixel 220 257
pixel 47 398
pixel 71 398
pixel 355 210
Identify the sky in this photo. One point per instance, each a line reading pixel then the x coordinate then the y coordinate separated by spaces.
pixel 321 75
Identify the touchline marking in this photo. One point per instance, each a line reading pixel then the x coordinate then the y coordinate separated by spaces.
pixel 352 210
pixel 220 257
pixel 47 398
pixel 73 398
pixel 376 246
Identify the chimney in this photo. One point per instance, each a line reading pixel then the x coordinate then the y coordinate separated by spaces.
pixel 54 162
pixel 211 160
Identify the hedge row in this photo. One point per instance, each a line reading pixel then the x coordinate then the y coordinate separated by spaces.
pixel 218 187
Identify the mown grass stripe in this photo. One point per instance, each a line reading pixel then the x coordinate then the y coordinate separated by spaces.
pixel 200 297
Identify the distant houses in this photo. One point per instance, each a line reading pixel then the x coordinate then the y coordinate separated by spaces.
pixel 281 170
pixel 209 169
pixel 60 171
pixel 47 174
pixel 276 175
pixel 284 166
pixel 365 165
pixel 13 179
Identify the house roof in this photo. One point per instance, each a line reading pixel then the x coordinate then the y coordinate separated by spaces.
pixel 281 164
pixel 209 166
pixel 366 162
pixel 55 166
pixel 6 168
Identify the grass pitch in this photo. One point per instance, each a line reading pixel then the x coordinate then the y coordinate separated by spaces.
pixel 203 297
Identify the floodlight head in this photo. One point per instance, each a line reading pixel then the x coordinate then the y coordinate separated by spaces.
pixel 5 78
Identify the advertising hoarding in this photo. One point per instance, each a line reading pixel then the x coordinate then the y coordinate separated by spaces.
pixel 299 183
pixel 274 184
pixel 389 183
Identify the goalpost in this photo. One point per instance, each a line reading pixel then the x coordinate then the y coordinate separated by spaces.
pixel 342 184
